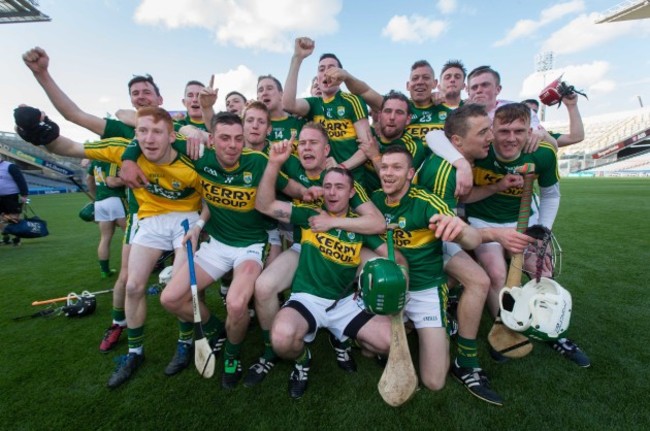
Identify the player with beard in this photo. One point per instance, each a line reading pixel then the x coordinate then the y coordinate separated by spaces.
pixel 394 117
pixel 423 221
pixel 344 115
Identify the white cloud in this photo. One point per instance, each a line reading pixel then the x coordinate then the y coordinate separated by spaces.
pixel 415 28
pixel 583 33
pixel 446 6
pixel 590 78
pixel 528 27
pixel 241 79
pixel 257 24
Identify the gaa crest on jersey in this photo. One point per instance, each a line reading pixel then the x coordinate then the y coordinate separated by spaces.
pixel 351 236
pixel 340 111
pixel 401 222
pixel 176 184
pixel 442 116
pixel 248 178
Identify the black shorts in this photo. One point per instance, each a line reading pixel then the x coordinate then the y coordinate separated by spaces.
pixel 10 204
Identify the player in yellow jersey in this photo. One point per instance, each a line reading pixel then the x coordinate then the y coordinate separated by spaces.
pixel 170 197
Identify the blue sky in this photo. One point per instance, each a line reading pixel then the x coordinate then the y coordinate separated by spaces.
pixel 97 45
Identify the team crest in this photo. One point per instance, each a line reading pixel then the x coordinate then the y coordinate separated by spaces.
pixel 176 184
pixel 351 236
pixel 442 116
pixel 401 222
pixel 340 111
pixel 248 178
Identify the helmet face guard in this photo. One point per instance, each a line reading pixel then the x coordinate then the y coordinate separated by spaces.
pixel 165 275
pixel 383 286
pixel 80 305
pixel 540 309
pixel 547 251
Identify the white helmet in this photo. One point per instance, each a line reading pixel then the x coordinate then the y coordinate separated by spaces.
pixel 165 275
pixel 540 309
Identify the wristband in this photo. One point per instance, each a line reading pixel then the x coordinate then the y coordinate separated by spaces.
pixel 200 223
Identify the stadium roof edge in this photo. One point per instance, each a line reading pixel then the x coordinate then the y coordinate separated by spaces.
pixel 17 11
pixel 626 11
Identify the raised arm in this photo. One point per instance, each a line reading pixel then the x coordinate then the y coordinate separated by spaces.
pixel 38 62
pixel 34 127
pixel 576 128
pixel 303 48
pixel 336 76
pixel 266 201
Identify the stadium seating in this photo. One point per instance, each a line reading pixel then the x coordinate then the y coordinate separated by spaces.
pixel 603 130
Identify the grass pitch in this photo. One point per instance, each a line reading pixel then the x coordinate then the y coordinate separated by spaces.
pixel 54 377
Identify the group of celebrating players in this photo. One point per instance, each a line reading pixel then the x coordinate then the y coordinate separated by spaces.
pixel 297 193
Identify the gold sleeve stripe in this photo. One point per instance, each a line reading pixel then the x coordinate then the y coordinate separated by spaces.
pixel 442 177
pixel 361 192
pixel 355 101
pixel 434 200
pixel 107 143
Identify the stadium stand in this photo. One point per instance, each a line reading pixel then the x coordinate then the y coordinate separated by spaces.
pixel 605 137
pixel 44 172
pixel 637 165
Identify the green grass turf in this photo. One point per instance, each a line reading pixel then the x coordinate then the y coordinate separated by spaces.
pixel 52 375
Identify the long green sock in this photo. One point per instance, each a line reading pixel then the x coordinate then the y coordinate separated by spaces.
pixel 231 351
pixel 119 317
pixel 268 354
pixel 136 339
pixel 304 357
pixel 212 327
pixel 467 353
pixel 103 265
pixel 185 331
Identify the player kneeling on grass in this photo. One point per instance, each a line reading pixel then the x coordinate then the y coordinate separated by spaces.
pixel 170 198
pixel 423 221
pixel 490 205
pixel 327 267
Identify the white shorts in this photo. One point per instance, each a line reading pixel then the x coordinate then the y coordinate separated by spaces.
pixel 426 308
pixel 109 209
pixel 163 232
pixel 449 250
pixel 217 258
pixel 274 237
pixel 479 223
pixel 131 228
pixel 336 320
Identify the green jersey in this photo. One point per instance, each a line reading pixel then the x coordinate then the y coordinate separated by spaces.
pixel 438 176
pixel 503 207
pixel 187 121
pixel 117 129
pixel 427 118
pixel 281 129
pixel 414 145
pixel 328 260
pixel 338 115
pixel 294 170
pixel 230 195
pixel 100 171
pixel 412 236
